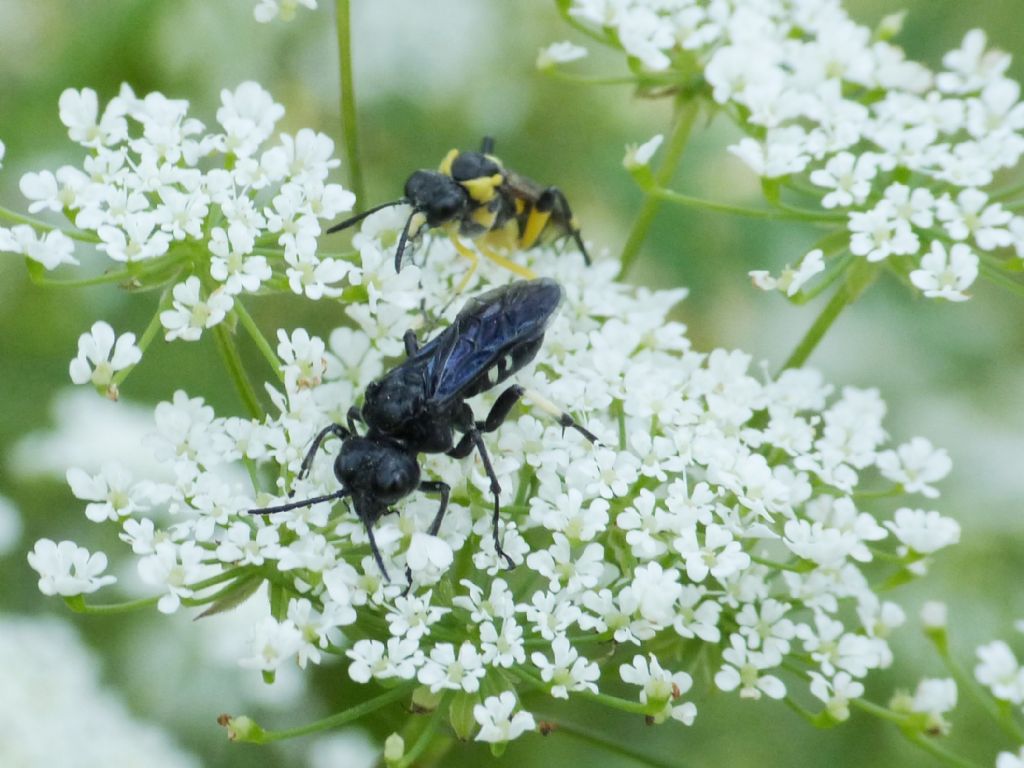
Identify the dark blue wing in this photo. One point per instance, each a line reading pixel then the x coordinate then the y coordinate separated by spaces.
pixel 487 328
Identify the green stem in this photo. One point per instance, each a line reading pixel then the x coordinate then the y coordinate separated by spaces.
pixel 600 740
pixel 147 338
pixel 859 277
pixel 424 739
pixel 259 736
pixel 624 705
pixel 686 115
pixel 943 755
pixel 966 682
pixel 233 362
pixel 914 737
pixel 882 713
pixel 42 226
pixel 259 339
pixel 348 101
pixel 782 213
pixel 78 605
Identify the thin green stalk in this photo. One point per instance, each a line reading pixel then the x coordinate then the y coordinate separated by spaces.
pixel 859 277
pixel 686 115
pixel 42 226
pixel 349 126
pixel 147 338
pixel 782 213
pixel 78 605
pixel 882 713
pixel 939 753
pixel 624 705
pixel 424 739
pixel 85 282
pixel 915 737
pixel 966 682
pixel 257 735
pixel 600 740
pixel 233 362
pixel 259 339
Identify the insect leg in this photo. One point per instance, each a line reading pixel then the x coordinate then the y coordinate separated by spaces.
pixel 334 429
pixel 470 254
pixel 508 264
pixel 354 415
pixel 507 399
pixel 487 145
pixel 574 229
pixel 566 421
pixel 375 550
pixel 296 504
pixel 474 435
pixel 538 218
pixel 436 486
pixel 412 345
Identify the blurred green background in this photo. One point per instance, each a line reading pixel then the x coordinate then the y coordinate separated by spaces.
pixel 429 76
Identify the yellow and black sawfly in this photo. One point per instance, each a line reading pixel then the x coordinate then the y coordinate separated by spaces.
pixel 473 195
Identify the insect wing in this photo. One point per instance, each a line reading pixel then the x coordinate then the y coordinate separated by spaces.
pixel 486 329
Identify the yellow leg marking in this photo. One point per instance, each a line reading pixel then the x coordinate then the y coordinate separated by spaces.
pixel 470 254
pixel 535 223
pixel 446 164
pixel 508 264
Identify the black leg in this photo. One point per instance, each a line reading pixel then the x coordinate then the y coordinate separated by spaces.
pixel 562 205
pixel 296 504
pixel 502 407
pixel 487 145
pixel 437 486
pixel 354 415
pixel 474 435
pixel 412 346
pixel 375 551
pixel 334 429
pixel 564 419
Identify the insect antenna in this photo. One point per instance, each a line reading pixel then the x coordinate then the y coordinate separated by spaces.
pixel 360 216
pixel 404 239
pixel 304 503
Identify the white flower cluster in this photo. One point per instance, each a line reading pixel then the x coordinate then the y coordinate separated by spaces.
pixel 902 151
pixel 718 507
pixel 999 670
pixel 55 711
pixel 220 213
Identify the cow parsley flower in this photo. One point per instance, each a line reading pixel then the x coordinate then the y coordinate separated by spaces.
pixel 834 117
pixel 499 721
pixel 718 509
pixel 101 355
pixel 206 216
pixel 67 569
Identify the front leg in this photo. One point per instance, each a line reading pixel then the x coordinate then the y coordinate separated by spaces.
pixel 354 415
pixel 334 429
